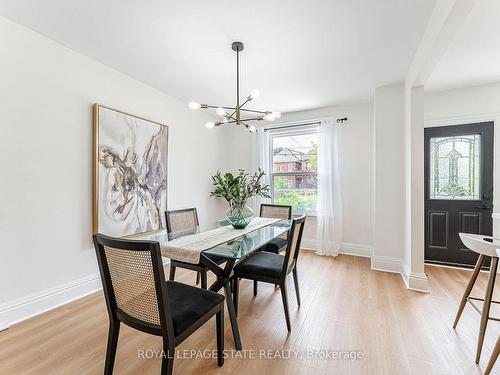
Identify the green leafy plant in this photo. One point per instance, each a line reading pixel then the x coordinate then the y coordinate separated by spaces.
pixel 236 190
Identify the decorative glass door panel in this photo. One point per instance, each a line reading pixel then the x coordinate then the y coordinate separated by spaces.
pixel 455 170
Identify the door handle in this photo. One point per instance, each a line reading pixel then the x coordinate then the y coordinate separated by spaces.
pixel 484 207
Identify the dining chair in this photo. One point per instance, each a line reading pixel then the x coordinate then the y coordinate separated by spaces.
pixel 276 211
pixel 273 268
pixel 278 244
pixel 183 221
pixel 137 295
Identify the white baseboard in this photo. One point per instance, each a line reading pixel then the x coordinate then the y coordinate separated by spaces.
pixel 346 248
pixel 309 244
pixel 12 312
pixel 387 264
pixel 414 280
pixel 356 249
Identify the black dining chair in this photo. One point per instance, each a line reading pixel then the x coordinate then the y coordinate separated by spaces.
pixel 137 295
pixel 183 221
pixel 276 211
pixel 278 244
pixel 273 268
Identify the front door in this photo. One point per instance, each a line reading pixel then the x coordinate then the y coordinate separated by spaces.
pixel 458 190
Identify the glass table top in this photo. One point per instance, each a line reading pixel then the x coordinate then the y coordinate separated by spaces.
pixel 237 248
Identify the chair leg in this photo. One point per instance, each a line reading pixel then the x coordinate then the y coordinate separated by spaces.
pixel 493 358
pixel 197 278
pixel 255 287
pixel 171 276
pixel 167 362
pixel 203 279
pixel 114 330
pixel 296 282
pixel 468 288
pixel 236 294
pixel 285 304
pixel 486 307
pixel 220 335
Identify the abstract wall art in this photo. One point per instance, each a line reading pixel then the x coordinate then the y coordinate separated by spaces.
pixel 130 173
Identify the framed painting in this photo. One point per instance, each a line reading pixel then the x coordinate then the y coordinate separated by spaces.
pixel 130 173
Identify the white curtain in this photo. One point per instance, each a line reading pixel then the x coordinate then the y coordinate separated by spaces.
pixel 329 194
pixel 264 161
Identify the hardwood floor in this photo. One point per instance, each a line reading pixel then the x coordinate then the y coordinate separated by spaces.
pixel 345 307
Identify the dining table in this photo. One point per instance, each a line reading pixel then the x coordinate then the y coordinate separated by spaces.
pixel 221 240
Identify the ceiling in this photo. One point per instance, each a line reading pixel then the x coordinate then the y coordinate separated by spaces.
pixel 300 54
pixel 473 57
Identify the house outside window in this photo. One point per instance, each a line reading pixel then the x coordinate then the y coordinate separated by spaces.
pixel 293 159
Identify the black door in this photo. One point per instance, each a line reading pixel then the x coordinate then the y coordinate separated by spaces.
pixel 458 190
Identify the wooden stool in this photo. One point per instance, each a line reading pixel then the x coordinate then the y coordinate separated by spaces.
pixel 485 312
pixel 493 357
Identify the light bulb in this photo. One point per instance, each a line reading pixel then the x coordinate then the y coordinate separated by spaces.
pixel 254 94
pixel 269 117
pixel 209 125
pixel 252 129
pixel 277 114
pixel 220 111
pixel 194 105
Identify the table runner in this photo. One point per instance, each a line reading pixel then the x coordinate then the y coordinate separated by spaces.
pixel 188 248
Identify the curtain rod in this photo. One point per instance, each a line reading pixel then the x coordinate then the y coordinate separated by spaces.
pixel 339 121
pixel 292 125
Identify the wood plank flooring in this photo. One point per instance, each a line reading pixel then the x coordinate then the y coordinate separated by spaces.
pixel 345 307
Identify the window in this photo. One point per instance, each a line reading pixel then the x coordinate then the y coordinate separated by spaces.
pixel 455 167
pixel 293 161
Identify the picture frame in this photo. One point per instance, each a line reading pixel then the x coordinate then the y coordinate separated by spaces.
pixel 130 173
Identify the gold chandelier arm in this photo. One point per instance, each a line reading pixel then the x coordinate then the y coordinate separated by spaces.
pixel 252 119
pixel 217 106
pixel 255 111
pixel 245 102
pixel 232 114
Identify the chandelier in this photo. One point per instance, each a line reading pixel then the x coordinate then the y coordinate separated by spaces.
pixel 233 115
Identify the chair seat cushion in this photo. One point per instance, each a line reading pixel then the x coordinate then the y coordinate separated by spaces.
pixel 189 304
pixel 275 245
pixel 260 263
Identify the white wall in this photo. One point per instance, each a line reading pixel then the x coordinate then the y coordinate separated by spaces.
pixel 466 105
pixel 357 174
pixel 46 96
pixel 389 209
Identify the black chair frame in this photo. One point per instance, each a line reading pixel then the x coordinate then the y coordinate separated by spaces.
pixel 199 268
pixel 166 329
pixel 288 267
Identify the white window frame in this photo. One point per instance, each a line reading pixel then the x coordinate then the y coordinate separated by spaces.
pixel 284 130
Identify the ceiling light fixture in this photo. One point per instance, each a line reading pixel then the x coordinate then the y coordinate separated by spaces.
pixel 232 115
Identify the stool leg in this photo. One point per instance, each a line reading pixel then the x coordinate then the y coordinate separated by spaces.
pixel 493 358
pixel 468 289
pixel 486 306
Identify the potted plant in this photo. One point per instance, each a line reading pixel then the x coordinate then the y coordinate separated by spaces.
pixel 236 190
